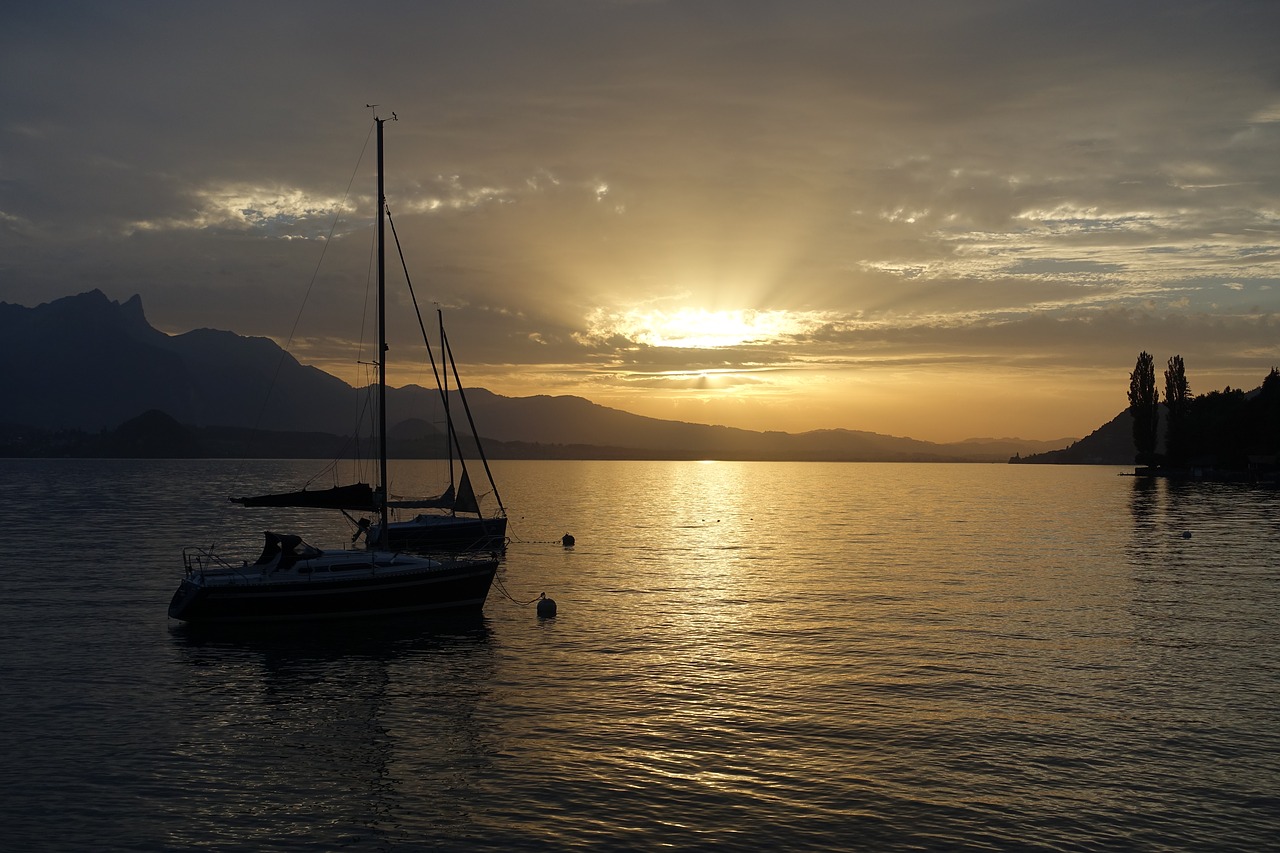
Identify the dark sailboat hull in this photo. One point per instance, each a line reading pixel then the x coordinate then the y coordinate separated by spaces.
pixel 445 534
pixel 453 589
pixel 292 580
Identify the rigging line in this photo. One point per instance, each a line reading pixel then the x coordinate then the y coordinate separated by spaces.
pixel 452 437
pixel 365 405
pixel 501 588
pixel 515 537
pixel 448 354
pixel 413 296
pixel 364 399
pixel 315 273
pixel 454 443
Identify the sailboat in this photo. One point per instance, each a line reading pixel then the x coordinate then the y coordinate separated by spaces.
pixel 455 521
pixel 292 579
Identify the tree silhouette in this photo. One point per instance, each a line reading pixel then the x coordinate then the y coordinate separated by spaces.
pixel 1144 407
pixel 1219 429
pixel 1266 416
pixel 1177 402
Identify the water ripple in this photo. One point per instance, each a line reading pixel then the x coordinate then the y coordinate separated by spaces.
pixel 936 658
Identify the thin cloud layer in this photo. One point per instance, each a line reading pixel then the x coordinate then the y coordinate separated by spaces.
pixel 914 218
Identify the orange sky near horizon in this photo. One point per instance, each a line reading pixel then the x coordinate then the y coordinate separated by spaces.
pixel 924 219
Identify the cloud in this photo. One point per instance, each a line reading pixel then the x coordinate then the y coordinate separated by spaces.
pixel 264 211
pixel 717 195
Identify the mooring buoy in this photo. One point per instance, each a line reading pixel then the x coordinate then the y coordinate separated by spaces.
pixel 567 540
pixel 546 607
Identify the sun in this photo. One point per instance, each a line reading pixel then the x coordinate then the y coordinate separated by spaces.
pixel 695 328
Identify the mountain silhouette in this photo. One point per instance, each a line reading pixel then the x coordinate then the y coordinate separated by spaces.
pixel 90 363
pixel 1109 444
pixel 93 364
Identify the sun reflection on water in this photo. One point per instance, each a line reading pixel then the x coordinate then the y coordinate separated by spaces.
pixel 746 655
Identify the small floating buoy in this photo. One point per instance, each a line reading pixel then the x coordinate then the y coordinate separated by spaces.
pixel 1186 534
pixel 567 540
pixel 546 607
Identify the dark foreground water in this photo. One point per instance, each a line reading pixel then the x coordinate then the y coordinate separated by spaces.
pixel 748 655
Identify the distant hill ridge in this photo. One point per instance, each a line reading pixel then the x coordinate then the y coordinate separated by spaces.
pixel 92 364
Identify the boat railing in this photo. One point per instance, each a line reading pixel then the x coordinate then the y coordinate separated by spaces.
pixel 197 561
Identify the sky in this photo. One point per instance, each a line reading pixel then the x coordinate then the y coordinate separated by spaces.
pixel 930 219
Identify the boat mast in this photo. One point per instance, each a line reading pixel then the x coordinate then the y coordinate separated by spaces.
pixel 382 348
pixel 448 416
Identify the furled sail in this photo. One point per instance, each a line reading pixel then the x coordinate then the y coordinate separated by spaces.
pixel 463 501
pixel 357 497
pixel 444 501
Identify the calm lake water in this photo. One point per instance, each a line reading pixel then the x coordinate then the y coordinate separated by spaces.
pixel 747 655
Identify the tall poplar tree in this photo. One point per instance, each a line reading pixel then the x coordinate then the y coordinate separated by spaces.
pixel 1177 404
pixel 1144 404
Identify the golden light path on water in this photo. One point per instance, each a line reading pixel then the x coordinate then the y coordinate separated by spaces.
pixel 798 656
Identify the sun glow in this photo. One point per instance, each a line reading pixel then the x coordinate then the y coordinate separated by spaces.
pixel 698 328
